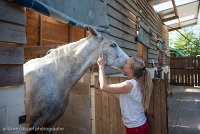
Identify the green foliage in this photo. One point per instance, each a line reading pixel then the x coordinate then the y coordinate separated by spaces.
pixel 188 42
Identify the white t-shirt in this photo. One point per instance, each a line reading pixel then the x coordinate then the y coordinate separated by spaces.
pixel 131 106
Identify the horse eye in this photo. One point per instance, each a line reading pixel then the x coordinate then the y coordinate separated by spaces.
pixel 113 45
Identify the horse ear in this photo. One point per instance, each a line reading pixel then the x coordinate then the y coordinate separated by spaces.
pixel 95 33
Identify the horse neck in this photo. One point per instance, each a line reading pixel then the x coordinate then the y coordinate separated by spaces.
pixel 74 63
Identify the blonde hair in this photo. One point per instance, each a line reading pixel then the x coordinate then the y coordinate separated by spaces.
pixel 142 74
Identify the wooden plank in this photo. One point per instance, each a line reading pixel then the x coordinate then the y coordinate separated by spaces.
pixel 116 5
pixel 152 56
pixel 151 114
pixel 127 6
pixel 76 33
pixel 98 108
pixel 163 107
pixel 35 50
pixel 125 44
pixel 157 108
pixel 152 60
pixel 121 34
pixel 152 51
pixel 11 75
pixel 115 23
pixel 105 113
pixel 120 17
pixel 12 33
pixel 55 32
pixel 113 120
pixel 12 12
pixel 11 54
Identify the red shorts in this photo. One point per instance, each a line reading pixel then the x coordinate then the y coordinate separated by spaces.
pixel 144 129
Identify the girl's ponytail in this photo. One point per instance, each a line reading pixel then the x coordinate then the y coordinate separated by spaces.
pixel 148 87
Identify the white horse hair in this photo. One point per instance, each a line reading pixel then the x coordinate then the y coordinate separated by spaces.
pixel 50 78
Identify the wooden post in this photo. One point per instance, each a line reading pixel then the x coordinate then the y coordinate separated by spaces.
pixel 158 108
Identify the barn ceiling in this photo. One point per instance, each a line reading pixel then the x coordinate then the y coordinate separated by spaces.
pixel 177 14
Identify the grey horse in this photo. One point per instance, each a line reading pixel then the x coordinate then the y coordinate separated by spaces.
pixel 49 79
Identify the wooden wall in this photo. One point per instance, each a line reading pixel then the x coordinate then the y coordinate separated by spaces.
pixel 12 40
pixel 124 17
pixel 12 89
pixel 44 33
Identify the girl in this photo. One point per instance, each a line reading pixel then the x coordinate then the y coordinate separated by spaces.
pixel 134 94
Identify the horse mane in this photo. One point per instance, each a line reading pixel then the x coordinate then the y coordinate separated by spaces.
pixel 67 48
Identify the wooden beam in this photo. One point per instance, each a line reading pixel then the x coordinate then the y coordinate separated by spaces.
pixel 175 9
pixel 175 28
pixel 170 18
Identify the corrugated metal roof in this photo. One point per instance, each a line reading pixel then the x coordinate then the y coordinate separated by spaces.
pixel 177 14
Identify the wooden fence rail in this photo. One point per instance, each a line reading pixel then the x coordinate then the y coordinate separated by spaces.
pixel 185 71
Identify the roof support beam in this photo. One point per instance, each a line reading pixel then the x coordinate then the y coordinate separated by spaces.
pixel 175 28
pixel 170 18
pixel 175 9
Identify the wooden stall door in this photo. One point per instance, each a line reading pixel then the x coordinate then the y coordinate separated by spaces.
pixel 106 110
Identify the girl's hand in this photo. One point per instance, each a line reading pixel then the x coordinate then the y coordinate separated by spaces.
pixel 101 61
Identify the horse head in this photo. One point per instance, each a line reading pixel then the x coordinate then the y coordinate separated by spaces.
pixel 115 57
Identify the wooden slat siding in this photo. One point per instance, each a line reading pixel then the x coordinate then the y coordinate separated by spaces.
pixel 124 38
pixel 127 6
pixel 157 106
pixel 12 33
pixel 105 112
pixel 113 104
pixel 53 31
pixel 120 125
pixel 150 114
pixel 163 107
pixel 11 75
pixel 152 56
pixel 76 34
pixel 37 50
pixel 98 108
pixel 121 34
pixel 125 44
pixel 33 28
pixel 152 51
pixel 151 21
pixel 154 15
pixel 11 54
pixel 12 12
pixel 112 12
pixel 117 5
pixel 151 62
pixel 143 12
pixel 121 26
pixel 44 33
